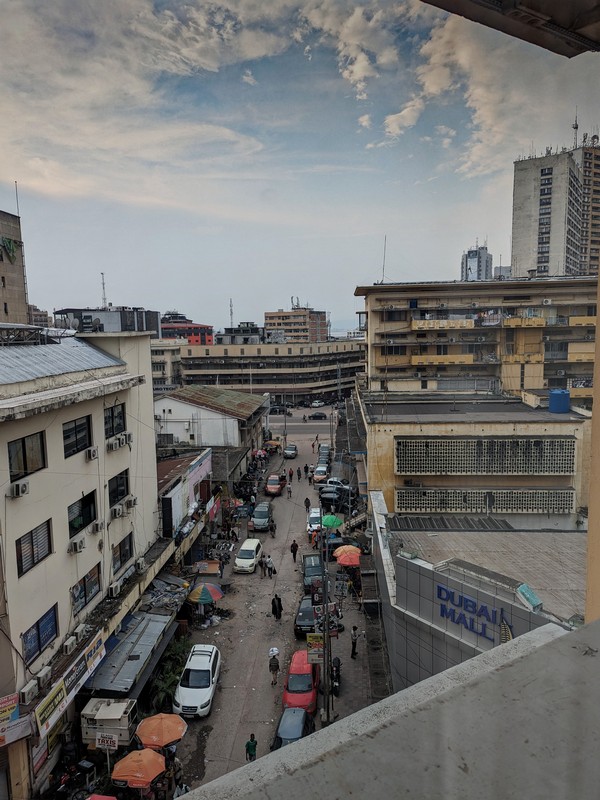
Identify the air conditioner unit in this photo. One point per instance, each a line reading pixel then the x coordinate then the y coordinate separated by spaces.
pixel 28 693
pixel 186 426
pixel 19 489
pixel 91 454
pixel 390 341
pixel 474 305
pixel 452 340
pixel 561 373
pixel 76 546
pixel 588 337
pixel 481 338
pixel 114 445
pixel 122 439
pixel 114 589
pixel 44 677
pixel 418 374
pixel 545 338
pixel 128 437
pixel 97 526
pixel 116 512
pixel 131 502
pixel 140 565
pixel 546 301
pixel 69 645
pixel 80 632
pixel 442 305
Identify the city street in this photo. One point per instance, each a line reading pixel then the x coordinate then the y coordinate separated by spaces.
pixel 245 701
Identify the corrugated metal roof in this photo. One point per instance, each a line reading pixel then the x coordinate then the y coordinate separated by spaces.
pixel 28 362
pixel 236 404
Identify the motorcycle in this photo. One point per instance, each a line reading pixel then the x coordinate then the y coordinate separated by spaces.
pixel 336 676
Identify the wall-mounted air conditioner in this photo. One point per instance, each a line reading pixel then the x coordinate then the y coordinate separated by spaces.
pixel 452 340
pixel 481 339
pixel 128 437
pixel 140 565
pixel 545 338
pixel 546 301
pixel 122 439
pixel 91 454
pixel 114 589
pixel 116 512
pixel 80 632
pixel 69 645
pixel 28 693
pixel 131 502
pixel 44 677
pixel 97 526
pixel 561 373
pixel 442 305
pixel 76 546
pixel 113 445
pixel 474 305
pixel 19 489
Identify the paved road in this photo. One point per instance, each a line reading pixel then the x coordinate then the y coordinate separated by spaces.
pixel 246 702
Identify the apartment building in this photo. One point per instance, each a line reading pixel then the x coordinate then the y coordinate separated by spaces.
pixel 166 364
pixel 77 462
pixel 110 319
pixel 299 324
pixel 178 326
pixel 477 264
pixel 493 336
pixel 13 282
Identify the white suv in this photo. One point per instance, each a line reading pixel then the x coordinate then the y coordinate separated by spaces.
pixel 196 689
pixel 248 555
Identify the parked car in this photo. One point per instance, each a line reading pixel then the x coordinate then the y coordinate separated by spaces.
pixel 317 404
pixel 198 682
pixel 261 518
pixel 313 522
pixel 248 555
pixel 290 451
pixel 294 724
pixel 333 483
pixel 321 474
pixel 301 686
pixel 311 568
pixel 305 619
pixel 274 485
pixel 280 410
pixel 318 415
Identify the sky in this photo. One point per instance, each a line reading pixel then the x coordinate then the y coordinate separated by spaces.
pixel 264 153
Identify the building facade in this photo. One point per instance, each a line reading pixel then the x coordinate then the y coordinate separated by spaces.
pixel 178 326
pixel 477 265
pixel 166 364
pixel 13 282
pixel 111 319
pixel 299 324
pixel 508 336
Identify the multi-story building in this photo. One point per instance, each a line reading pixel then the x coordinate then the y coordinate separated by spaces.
pixel 289 372
pixel 39 318
pixel 111 319
pixel 300 324
pixel 244 333
pixel 78 466
pixel 13 282
pixel 556 213
pixel 178 326
pixel 509 336
pixel 476 264
pixel 166 364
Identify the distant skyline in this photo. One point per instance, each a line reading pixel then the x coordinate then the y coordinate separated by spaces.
pixel 197 152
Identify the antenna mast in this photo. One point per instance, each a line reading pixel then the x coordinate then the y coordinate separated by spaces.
pixel 575 127
pixel 103 292
pixel 230 312
pixel 383 265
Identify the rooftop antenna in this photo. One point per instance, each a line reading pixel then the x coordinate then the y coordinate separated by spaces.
pixel 383 265
pixel 230 312
pixel 575 127
pixel 17 199
pixel 103 291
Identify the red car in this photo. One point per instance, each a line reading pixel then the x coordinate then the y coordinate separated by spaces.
pixel 302 684
pixel 274 485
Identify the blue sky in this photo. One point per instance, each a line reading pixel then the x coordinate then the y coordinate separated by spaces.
pixel 196 152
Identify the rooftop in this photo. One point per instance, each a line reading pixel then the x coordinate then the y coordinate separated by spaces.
pixel 226 401
pixel 474 287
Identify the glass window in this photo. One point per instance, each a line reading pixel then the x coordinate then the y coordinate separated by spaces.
pixel 26 456
pixel 86 589
pixel 34 547
pixel 81 513
pixel 122 552
pixel 114 420
pixel 37 638
pixel 77 435
pixel 118 488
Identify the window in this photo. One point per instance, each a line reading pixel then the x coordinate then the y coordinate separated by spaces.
pixel 26 456
pixel 86 589
pixel 114 420
pixel 77 435
pixel 118 488
pixel 81 513
pixel 37 638
pixel 34 547
pixel 122 552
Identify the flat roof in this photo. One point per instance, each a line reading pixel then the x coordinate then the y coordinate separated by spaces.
pixel 474 286
pixel 552 563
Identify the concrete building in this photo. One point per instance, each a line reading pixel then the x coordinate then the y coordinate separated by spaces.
pixel 244 333
pixel 476 264
pixel 39 317
pixel 111 319
pixel 166 364
pixel 299 324
pixel 587 158
pixel 178 326
pixel 13 281
pixel 507 336
pixel 288 372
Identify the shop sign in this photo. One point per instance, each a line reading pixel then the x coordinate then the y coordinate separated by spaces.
pixel 13 730
pixel 52 707
pixel 9 707
pixel 107 741
pixel 466 611
pixel 315 648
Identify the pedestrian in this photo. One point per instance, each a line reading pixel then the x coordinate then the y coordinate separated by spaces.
pixel 276 607
pixel 306 470
pixel 221 566
pixel 310 478
pixel 317 438
pixel 262 564
pixel 307 504
pixel 270 566
pixel 313 447
pixel 289 491
pixel 299 474
pixel 274 669
pixel 291 474
pixel 294 549
pixel 251 748
pixel 354 640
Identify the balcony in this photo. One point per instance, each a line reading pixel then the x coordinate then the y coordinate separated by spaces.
pixel 441 324
pixel 586 322
pixel 523 358
pixel 525 322
pixel 449 358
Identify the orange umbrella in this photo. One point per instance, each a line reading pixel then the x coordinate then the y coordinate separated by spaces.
pixel 349 559
pixel 161 730
pixel 138 769
pixel 346 548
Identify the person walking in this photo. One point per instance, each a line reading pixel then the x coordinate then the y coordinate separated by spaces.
pixel 270 566
pixel 294 549
pixel 291 474
pixel 310 478
pixel 289 491
pixel 299 474
pixel 274 669
pixel 251 748
pixel 276 607
pixel 305 471
pixel 354 640
pixel 307 504
pixel 221 566
pixel 313 447
pixel 262 564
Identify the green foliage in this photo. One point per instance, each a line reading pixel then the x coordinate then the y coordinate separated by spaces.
pixel 171 666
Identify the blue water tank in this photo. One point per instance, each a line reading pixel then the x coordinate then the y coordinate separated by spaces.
pixel 559 401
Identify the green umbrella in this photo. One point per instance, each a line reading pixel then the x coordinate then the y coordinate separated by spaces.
pixel 331 521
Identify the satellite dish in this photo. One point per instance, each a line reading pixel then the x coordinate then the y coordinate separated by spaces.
pixel 96 324
pixel 74 323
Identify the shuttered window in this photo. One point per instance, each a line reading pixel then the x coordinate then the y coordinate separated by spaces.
pixel 34 547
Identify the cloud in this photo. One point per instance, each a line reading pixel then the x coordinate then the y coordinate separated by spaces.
pixel 365 121
pixel 248 77
pixel 396 124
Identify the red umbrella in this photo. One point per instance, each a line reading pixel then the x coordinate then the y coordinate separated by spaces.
pixel 349 559
pixel 138 769
pixel 161 730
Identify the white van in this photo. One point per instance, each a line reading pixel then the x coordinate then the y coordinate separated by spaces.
pixel 247 557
